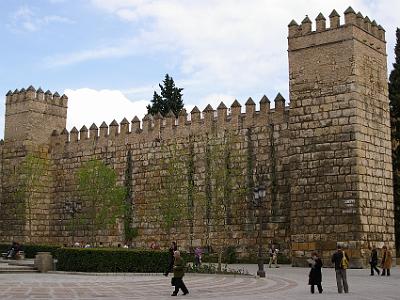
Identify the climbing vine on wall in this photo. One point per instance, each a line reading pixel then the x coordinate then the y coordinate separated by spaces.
pixel 29 185
pixel 250 166
pixel 224 187
pixel 173 186
pixel 191 189
pixel 130 231
pixel 102 199
pixel 273 170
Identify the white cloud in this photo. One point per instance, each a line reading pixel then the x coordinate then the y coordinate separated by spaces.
pixel 85 55
pixel 26 18
pixel 223 42
pixel 220 46
pixel 87 106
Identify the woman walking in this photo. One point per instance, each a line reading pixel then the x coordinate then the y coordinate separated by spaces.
pixel 386 261
pixel 315 277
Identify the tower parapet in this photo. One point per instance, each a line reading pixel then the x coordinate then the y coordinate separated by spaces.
pixel 32 115
pixel 354 25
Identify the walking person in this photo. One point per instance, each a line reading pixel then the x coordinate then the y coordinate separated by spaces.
pixel 171 251
pixel 373 261
pixel 315 276
pixel 197 256
pixel 386 263
pixel 179 272
pixel 273 256
pixel 341 261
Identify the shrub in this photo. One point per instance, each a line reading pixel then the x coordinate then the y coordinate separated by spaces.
pixel 230 255
pixel 111 260
pixel 4 248
pixel 31 250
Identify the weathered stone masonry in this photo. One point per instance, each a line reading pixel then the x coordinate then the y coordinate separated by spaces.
pixel 325 160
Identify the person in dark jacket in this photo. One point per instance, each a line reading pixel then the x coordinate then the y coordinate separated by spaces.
pixel 171 251
pixel 315 276
pixel 179 272
pixel 14 250
pixel 341 276
pixel 373 261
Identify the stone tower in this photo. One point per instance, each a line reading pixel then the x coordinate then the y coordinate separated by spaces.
pixel 32 115
pixel 340 155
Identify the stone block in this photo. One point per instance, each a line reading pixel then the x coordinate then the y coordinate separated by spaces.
pixel 44 262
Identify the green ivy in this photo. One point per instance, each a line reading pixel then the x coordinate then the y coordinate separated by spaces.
pixel 130 232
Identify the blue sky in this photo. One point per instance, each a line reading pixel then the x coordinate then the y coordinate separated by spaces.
pixel 109 55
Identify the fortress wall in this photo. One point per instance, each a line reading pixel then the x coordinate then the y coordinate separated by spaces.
pixel 152 145
pixel 325 161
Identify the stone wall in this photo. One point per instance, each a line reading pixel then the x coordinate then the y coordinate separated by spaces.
pixel 325 161
pixel 256 148
pixel 339 124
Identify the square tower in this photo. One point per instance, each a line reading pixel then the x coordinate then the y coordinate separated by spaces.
pixel 32 115
pixel 340 156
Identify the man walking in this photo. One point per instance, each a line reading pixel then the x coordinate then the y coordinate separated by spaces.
pixel 171 251
pixel 179 272
pixel 373 261
pixel 341 261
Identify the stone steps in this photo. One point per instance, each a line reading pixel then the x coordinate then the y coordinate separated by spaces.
pixel 17 266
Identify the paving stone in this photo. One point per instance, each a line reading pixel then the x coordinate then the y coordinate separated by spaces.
pixel 281 283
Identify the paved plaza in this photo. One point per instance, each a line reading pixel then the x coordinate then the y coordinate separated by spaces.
pixel 281 283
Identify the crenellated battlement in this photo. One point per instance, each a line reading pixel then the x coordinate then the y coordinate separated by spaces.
pixel 31 94
pixel 31 115
pixel 158 127
pixel 355 25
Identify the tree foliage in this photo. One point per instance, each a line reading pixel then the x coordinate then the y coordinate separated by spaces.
pixel 102 200
pixel 170 99
pixel 394 97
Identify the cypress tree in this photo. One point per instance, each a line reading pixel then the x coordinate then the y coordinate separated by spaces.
pixel 169 100
pixel 394 98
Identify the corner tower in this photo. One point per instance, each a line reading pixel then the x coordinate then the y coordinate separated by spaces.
pixel 32 115
pixel 340 154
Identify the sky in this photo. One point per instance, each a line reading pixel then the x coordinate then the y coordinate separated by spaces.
pixel 108 56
